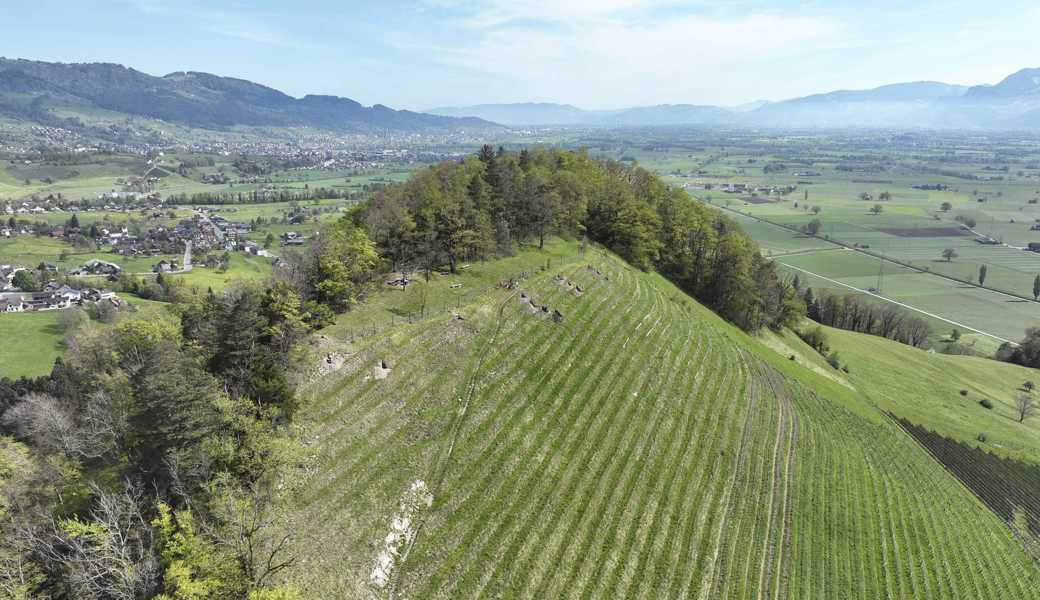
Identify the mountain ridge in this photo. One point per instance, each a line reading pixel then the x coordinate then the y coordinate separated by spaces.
pixel 40 91
pixel 1013 102
pixel 202 99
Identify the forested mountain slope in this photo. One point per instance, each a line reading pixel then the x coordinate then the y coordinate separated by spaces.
pixel 636 446
pixel 35 90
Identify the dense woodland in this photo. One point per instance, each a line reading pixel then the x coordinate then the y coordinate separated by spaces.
pixel 143 465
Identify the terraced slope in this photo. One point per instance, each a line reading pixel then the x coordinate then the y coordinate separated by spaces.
pixel 640 448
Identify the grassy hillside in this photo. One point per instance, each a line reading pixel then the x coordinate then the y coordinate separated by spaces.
pixel 32 340
pixel 31 343
pixel 640 448
pixel 925 388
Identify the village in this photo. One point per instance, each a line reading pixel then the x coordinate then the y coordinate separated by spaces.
pixel 55 296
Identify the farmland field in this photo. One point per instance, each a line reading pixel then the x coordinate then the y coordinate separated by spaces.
pixel 930 196
pixel 639 448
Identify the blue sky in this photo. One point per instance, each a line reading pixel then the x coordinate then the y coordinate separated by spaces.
pixel 592 53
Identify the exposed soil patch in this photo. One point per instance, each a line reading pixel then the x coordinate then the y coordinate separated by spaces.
pixel 923 232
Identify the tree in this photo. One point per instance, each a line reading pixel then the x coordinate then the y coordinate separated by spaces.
pixel 955 334
pixel 949 254
pixel 816 210
pixel 342 262
pixel 110 555
pixel 194 567
pixel 1029 386
pixel 487 154
pixel 1036 288
pixel 1025 405
pixel 813 227
pixel 269 240
pixel 982 274
pixel 885 196
pixel 876 209
pixel 26 281
pixel 946 207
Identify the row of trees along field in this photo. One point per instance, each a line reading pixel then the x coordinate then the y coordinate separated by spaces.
pixel 257 196
pixel 854 314
pixel 143 466
pixel 485 206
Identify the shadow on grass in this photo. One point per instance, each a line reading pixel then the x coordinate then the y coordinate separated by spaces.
pixel 1002 484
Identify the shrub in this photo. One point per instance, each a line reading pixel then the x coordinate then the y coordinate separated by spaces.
pixel 982 437
pixel 833 360
pixel 986 404
pixel 964 392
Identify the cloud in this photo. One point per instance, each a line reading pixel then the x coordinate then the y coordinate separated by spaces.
pixel 260 34
pixel 250 26
pixel 493 13
pixel 605 60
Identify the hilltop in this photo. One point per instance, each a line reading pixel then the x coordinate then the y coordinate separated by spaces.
pixel 638 446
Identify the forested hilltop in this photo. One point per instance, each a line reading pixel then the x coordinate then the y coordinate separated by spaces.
pixel 485 206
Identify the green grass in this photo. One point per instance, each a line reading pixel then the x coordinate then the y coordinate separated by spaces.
pixel 925 388
pixel 34 339
pixel 31 343
pixel 641 448
pixel 241 267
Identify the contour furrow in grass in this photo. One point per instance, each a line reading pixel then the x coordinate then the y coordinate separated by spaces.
pixel 569 434
pixel 645 476
pixel 691 445
pixel 676 461
pixel 534 543
pixel 502 451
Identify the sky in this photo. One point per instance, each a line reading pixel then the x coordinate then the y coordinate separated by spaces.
pixel 596 54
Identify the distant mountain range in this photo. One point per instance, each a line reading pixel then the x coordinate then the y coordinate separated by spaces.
pixel 93 96
pixel 1014 103
pixel 62 94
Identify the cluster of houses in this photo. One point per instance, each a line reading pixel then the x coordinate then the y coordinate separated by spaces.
pixel 231 230
pixel 114 202
pixel 55 296
pixel 98 267
pixel 744 188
